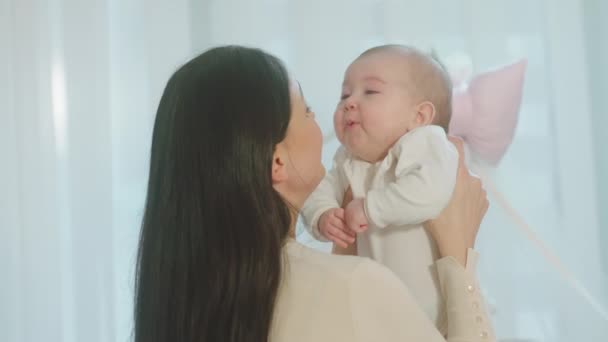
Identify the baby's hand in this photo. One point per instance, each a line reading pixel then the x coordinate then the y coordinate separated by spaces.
pixel 354 214
pixel 332 226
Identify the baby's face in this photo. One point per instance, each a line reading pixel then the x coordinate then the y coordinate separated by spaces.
pixel 375 109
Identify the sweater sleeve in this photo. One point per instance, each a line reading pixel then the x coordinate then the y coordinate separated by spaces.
pixel 425 178
pixel 384 310
pixel 328 194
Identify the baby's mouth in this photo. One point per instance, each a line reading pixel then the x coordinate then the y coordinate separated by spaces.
pixel 351 123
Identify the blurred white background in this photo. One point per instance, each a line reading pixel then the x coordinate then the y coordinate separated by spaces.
pixel 79 85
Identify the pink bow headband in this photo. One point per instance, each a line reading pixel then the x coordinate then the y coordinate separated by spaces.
pixel 485 111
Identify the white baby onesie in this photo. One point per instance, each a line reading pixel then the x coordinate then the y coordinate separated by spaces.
pixel 411 185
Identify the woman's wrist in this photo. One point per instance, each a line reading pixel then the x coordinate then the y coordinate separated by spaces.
pixel 455 248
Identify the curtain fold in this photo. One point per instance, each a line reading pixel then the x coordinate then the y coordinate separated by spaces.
pixel 79 84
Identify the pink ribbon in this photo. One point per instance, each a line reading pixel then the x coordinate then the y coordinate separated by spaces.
pixel 486 109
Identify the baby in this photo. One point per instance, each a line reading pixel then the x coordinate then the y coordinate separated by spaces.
pixel 395 156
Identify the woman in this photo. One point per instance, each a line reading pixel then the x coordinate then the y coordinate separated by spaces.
pixel 235 152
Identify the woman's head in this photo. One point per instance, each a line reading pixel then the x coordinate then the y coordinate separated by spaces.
pixel 296 164
pixel 234 154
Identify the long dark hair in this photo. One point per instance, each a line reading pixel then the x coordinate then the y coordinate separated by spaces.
pixel 209 261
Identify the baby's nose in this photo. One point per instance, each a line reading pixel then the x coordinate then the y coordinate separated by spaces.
pixel 350 105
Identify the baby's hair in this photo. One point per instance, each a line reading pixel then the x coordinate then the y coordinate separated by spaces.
pixel 431 80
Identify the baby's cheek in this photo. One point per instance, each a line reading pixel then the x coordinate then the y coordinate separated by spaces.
pixel 387 130
pixel 336 120
pixel 374 130
pixel 339 132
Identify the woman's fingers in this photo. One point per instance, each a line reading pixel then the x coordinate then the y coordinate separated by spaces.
pixel 459 144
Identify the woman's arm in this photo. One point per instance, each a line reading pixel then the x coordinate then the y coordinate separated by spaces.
pixel 352 248
pixel 456 227
pixel 383 309
pixel 349 250
pixel 455 231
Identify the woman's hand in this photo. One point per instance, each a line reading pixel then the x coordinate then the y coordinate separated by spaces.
pixel 455 229
pixel 351 249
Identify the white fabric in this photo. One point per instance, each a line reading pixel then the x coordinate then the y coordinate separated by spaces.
pixel 351 299
pixel 412 184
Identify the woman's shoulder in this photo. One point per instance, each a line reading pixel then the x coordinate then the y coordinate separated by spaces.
pixel 326 297
pixel 341 267
pixel 357 277
pixel 315 301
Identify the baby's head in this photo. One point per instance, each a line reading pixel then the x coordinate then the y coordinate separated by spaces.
pixel 388 91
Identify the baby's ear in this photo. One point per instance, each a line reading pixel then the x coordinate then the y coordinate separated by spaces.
pixel 425 114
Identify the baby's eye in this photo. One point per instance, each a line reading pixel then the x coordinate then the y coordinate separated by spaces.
pixel 371 92
pixel 344 96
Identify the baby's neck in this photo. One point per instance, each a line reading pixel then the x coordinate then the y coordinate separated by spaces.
pixel 373 159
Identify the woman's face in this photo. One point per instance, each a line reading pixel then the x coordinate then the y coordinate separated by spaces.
pixel 300 152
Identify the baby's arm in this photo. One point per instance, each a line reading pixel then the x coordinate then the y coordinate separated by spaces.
pixel 326 199
pixel 425 178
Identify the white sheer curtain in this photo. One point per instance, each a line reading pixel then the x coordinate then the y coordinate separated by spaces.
pixel 79 84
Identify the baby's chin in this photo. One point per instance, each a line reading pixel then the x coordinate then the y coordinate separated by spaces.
pixel 357 151
pixel 358 147
pixel 348 144
pixel 366 154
